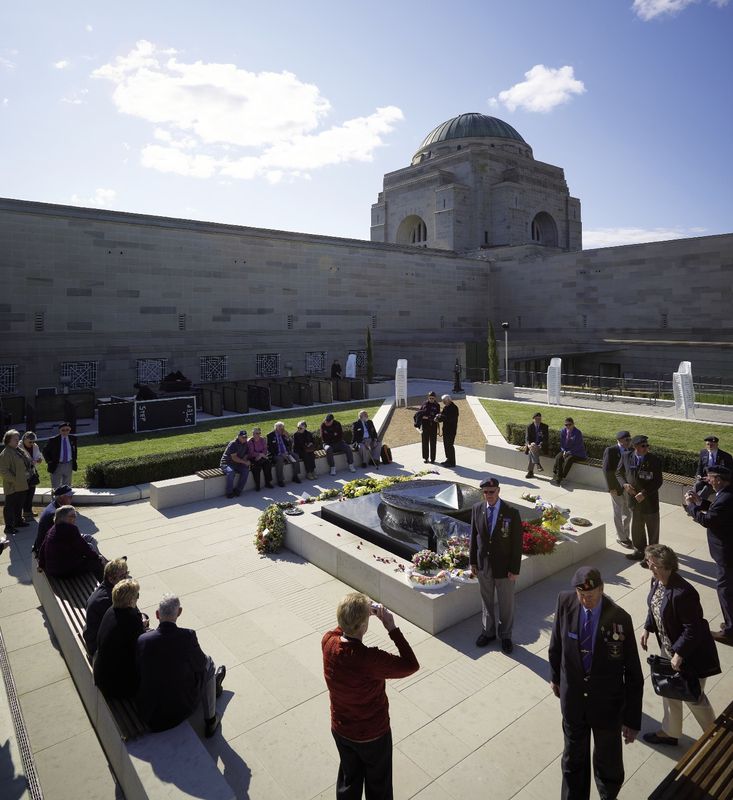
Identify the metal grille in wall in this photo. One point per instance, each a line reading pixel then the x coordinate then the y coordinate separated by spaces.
pixel 315 362
pixel 81 374
pixel 214 368
pixel 151 370
pixel 8 378
pixel 360 359
pixel 268 365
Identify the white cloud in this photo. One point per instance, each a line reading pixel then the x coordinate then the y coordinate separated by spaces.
pixel 613 237
pixel 6 63
pixel 544 89
pixel 235 123
pixel 88 28
pixel 5 101
pixel 76 98
pixel 102 198
pixel 649 9
pixel 60 64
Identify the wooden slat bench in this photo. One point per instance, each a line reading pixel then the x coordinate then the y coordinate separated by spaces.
pixel 136 756
pixel 218 472
pixel 705 771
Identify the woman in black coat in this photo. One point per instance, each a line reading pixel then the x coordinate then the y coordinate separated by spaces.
pixel 305 446
pixel 676 617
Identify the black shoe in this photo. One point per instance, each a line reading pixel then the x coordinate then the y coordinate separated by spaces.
pixel 230 495
pixel 257 487
pixel 483 640
pixel 529 475
pixel 425 461
pixel 219 676
pixel 21 524
pixel 555 482
pixel 280 483
pixel 655 738
pixel 722 637
pixel 296 479
pixel 626 543
pixel 445 463
pixel 9 529
pixel 270 486
pixel 211 726
pixel 506 646
pixel 539 467
pixel 637 555
pixel 3 542
pixel 644 563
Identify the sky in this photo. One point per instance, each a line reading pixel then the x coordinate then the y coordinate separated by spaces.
pixel 286 115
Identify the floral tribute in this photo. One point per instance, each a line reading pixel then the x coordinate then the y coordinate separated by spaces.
pixel 552 519
pixel 536 540
pixel 270 532
pixel 426 561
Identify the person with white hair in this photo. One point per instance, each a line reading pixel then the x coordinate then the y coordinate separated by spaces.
pixel 280 446
pixel 449 419
pixel 175 674
pixel 364 434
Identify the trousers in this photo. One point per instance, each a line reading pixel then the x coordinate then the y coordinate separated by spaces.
pixel 503 588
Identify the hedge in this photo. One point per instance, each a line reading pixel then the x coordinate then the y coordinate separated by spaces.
pixel 116 473
pixel 678 462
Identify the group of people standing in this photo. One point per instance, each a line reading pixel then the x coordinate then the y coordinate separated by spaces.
pixel 429 418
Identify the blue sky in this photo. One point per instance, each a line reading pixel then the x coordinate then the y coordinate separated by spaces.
pixel 287 115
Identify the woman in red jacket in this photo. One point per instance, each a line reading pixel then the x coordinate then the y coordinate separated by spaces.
pixel 355 676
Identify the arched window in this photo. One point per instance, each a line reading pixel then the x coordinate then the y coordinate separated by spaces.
pixel 544 230
pixel 412 230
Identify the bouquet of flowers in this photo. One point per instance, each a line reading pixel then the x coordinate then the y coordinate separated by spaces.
pixel 552 519
pixel 537 540
pixel 270 531
pixel 426 561
pixel 419 581
pixel 455 557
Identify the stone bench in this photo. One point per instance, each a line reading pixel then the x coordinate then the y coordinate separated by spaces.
pixel 171 764
pixel 586 473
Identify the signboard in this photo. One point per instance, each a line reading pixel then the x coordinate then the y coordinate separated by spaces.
pixel 554 376
pixel 684 390
pixel 400 383
pixel 170 412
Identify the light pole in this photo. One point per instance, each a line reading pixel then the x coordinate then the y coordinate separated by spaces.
pixel 505 325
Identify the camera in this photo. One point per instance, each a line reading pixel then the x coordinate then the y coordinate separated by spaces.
pixel 505 325
pixel 374 607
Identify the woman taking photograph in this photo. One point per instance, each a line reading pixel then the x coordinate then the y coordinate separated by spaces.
pixel 675 616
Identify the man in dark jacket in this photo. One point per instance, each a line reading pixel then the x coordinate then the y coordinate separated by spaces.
pixel 495 555
pixel 100 600
pixel 280 447
pixel 332 436
pixel 175 675
pixel 364 434
pixel 66 552
pixel 717 517
pixel 596 673
pixel 448 418
pixel 711 456
pixel 619 498
pixel 640 474
pixel 61 497
pixel 537 442
pixel 60 453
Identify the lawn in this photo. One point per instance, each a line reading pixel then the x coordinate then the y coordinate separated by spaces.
pixel 678 434
pixel 221 431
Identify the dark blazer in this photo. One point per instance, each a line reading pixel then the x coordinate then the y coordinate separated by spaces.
pixel 115 671
pixel 99 601
pixel 611 461
pixel 272 443
pixel 504 550
pixel 332 434
pixel 52 452
pixel 722 459
pixel 449 417
pixel 357 431
pixel 64 552
pixel 303 442
pixel 647 477
pixel 45 523
pixel 613 692
pixel 429 410
pixel 530 437
pixel 717 516
pixel 685 626
pixel 172 667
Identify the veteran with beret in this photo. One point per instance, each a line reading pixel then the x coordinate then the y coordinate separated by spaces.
pixel 612 456
pixel 710 456
pixel 596 673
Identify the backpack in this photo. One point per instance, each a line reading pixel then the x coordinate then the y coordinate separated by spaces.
pixel 386 455
pixel 417 419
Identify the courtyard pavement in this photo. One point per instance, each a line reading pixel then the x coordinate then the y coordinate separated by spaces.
pixel 469 723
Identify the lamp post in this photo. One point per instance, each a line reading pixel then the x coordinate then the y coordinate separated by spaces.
pixel 505 325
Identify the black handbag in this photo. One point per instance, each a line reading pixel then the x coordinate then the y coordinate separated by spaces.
pixel 671 684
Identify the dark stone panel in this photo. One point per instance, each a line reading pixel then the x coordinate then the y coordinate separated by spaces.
pixel 248 310
pixel 221 318
pixel 312 324
pixel 157 309
pixel 128 293
pixel 79 292
pixel 4 308
pixel 328 312
pixel 77 325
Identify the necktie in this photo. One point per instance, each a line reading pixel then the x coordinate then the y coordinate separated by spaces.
pixel 489 519
pixel 586 641
pixel 64 450
pixel 280 444
pixel 712 459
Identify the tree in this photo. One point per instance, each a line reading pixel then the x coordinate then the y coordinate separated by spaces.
pixel 493 356
pixel 369 358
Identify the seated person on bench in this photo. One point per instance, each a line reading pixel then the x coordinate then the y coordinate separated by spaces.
pixel 66 551
pixel 101 599
pixel 364 434
pixel 280 445
pixel 332 436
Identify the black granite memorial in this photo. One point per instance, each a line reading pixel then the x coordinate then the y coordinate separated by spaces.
pixel 400 519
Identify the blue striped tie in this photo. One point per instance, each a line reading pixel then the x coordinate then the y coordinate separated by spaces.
pixel 489 518
pixel 586 641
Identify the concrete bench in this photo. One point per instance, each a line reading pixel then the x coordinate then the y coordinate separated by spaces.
pixel 171 764
pixel 705 771
pixel 587 473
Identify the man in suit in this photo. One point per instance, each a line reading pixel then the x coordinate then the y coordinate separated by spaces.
pixel 619 498
pixel 711 456
pixel 448 417
pixel 280 447
pixel 495 555
pixel 595 671
pixel 717 517
pixel 572 449
pixel 175 675
pixel 60 453
pixel 640 474
pixel 537 442
pixel 364 434
pixel 61 497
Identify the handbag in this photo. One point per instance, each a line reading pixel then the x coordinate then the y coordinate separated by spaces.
pixel 33 477
pixel 671 684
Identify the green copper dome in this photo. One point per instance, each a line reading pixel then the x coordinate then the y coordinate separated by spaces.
pixel 470 126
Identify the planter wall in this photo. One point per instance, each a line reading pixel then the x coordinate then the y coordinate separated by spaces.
pixel 495 391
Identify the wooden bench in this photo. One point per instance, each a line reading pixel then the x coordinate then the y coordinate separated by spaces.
pixel 137 757
pixel 705 771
